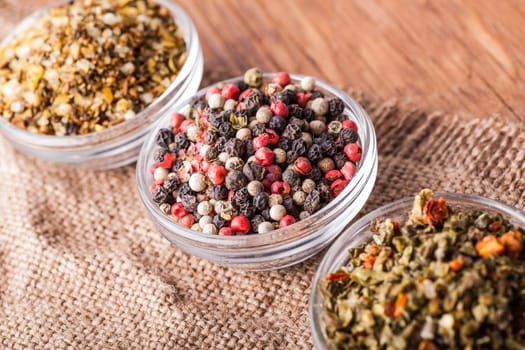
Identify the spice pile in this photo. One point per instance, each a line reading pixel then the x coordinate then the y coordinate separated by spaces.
pixel 89 64
pixel 253 156
pixel 448 278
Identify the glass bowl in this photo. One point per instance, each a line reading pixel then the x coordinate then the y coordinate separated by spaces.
pixel 120 144
pixel 282 247
pixel 359 233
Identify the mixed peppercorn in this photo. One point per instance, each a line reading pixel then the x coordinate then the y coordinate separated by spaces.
pixel 252 156
pixel 447 278
pixel 89 64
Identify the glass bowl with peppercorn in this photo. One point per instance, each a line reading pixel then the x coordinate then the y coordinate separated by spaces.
pixel 258 172
pixel 83 82
pixel 442 271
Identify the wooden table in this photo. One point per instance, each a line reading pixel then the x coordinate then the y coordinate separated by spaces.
pixel 454 56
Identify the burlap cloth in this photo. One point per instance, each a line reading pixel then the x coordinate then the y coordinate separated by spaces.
pixel 82 267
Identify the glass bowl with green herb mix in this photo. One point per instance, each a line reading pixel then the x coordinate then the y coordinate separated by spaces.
pixel 442 271
pixel 82 82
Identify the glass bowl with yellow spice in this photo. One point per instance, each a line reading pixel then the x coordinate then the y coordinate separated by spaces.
pixel 83 82
pixel 442 271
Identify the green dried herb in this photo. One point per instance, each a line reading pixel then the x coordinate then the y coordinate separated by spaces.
pixel 448 278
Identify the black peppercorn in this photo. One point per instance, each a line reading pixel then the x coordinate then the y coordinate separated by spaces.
pixel 323 186
pixel 181 141
pixel 252 102
pixel 218 192
pixel 219 221
pixel 315 174
pixel 234 147
pixel 315 153
pixel 189 202
pixel 159 155
pixel 164 137
pixel 212 153
pixel 240 197
pixel 255 221
pixel 290 207
pixel 254 171
pixel 185 190
pixel 266 214
pixel 242 85
pixel 295 111
pixel 312 201
pixel 277 123
pixel 329 147
pixel 260 201
pixel 160 195
pixel 246 209
pixel 316 94
pixel 248 146
pixel 235 180
pixel 308 114
pixel 177 164
pixel 291 177
pixel 348 135
pixel 219 144
pixel 226 130
pixel 258 129
pixel 301 123
pixel 292 131
pixel 299 146
pixel 285 143
pixel 340 159
pixel 336 106
pixel 171 183
pixel 286 96
pixel 210 137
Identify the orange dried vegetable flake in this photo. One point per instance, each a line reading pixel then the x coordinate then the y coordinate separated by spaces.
pixel 456 264
pixel 512 242
pixel 338 276
pixel 400 304
pixel 488 246
pixel 435 211
pixel 369 262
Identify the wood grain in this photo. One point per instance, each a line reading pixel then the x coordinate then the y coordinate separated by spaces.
pixel 456 56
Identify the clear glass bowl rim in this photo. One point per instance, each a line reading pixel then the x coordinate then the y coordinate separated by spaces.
pixel 246 243
pixel 359 233
pixel 131 126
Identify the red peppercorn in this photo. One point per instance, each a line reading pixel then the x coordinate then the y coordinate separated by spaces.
pixel 230 91
pixel 205 166
pixel 264 156
pixel 245 94
pixel 273 137
pixel 338 186
pixel 302 98
pixel 195 165
pixel 176 120
pixel 216 174
pixel 348 170
pixel 333 175
pixel 187 220
pixel 211 91
pixel 302 165
pixel 353 151
pixel 287 220
pixel 186 124
pixel 349 124
pixel 281 78
pixel 178 210
pixel 274 172
pixel 279 108
pixel 226 231
pixel 280 187
pixel 240 224
pixel 260 141
pixel 167 162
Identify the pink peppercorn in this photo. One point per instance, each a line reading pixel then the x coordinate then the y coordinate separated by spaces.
pixel 205 166
pixel 176 120
pixel 167 162
pixel 281 78
pixel 273 138
pixel 353 151
pixel 333 175
pixel 245 94
pixel 216 174
pixel 178 210
pixel 274 172
pixel 349 124
pixel 186 124
pixel 211 91
pixel 302 98
pixel 187 220
pixel 338 186
pixel 348 170
pixel 260 141
pixel 302 165
pixel 226 231
pixel 264 156
pixel 240 224
pixel 280 187
pixel 230 92
pixel 287 220
pixel 279 108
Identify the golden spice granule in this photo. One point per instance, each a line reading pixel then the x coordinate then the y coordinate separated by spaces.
pixel 88 65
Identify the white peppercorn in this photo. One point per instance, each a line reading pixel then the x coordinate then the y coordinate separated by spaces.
pixel 308 185
pixel 317 127
pixel 307 137
pixel 216 101
pixel 304 215
pixel 275 199
pixel 205 220
pixel 196 227
pixel 223 157
pixel 277 212
pixel 254 187
pixel 320 106
pixel 230 104
pixel 272 88
pixel 308 83
pixel 160 174
pixel 204 208
pixel 326 164
pixel 210 229
pixel 264 114
pixel 234 163
pixel 291 87
pixel 204 150
pixel 252 124
pixel 197 182
pixel 299 197
pixel 193 133
pixel 264 227
pixel 279 155
pixel 244 134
